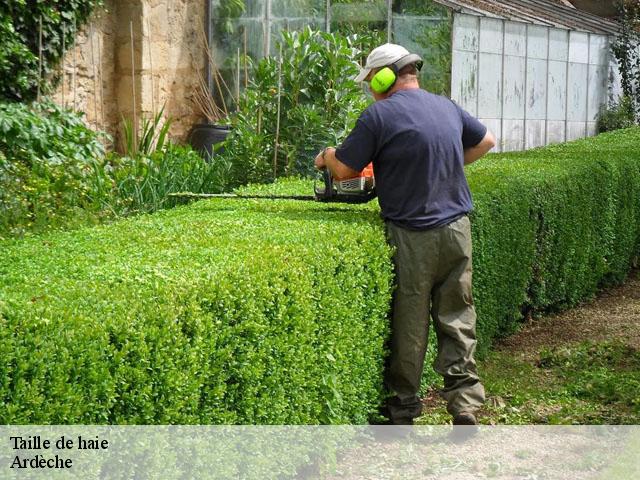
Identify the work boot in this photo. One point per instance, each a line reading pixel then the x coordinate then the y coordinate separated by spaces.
pixel 465 418
pixel 465 427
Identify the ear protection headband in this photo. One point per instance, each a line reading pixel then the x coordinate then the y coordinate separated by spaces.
pixel 387 76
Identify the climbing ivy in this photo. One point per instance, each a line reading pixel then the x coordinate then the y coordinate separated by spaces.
pixel 20 70
pixel 626 49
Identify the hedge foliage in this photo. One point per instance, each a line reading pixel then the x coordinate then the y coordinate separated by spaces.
pixel 220 312
pixel 255 311
pixel 552 225
pixel 20 47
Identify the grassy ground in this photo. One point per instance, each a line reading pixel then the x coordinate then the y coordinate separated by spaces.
pixel 577 367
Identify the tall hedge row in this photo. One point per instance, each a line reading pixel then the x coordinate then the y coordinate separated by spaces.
pixel 230 311
pixel 552 225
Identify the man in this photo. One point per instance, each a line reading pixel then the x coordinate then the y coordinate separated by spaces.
pixel 419 144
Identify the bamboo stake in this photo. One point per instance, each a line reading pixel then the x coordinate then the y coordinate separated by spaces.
pixel 216 73
pixel 95 77
pixel 238 80
pixel 64 51
pixel 275 150
pixel 73 72
pixel 39 58
pixel 102 107
pixel 153 101
pixel 246 71
pixel 133 86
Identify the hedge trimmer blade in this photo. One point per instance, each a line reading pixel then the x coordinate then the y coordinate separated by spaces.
pixel 242 196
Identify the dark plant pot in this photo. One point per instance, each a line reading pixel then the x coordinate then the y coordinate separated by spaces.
pixel 204 136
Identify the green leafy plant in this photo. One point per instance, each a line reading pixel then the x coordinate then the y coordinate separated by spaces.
pixel 313 91
pixel 21 69
pixel 150 138
pixel 625 50
pixel 142 183
pixel 617 115
pixel 46 167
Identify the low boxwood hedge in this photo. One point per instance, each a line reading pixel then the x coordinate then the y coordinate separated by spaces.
pixel 220 312
pixel 256 311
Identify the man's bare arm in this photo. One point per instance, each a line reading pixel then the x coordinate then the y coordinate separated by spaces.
pixel 337 168
pixel 474 153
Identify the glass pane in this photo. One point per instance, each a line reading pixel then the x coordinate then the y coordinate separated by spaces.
pixel 238 27
pixel 292 15
pixel 315 9
pixel 365 18
pixel 424 27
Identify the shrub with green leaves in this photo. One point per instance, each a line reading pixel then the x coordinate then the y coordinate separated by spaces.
pixel 142 183
pixel 259 311
pixel 319 104
pixel 54 172
pixel 552 225
pixel 47 160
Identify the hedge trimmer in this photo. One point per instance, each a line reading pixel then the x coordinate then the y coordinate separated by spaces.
pixel 358 189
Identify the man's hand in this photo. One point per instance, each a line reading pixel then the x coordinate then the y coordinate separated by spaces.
pixel 327 159
pixel 320 162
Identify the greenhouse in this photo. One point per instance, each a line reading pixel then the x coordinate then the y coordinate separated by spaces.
pixel 534 72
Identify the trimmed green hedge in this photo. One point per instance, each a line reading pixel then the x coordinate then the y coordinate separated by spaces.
pixel 553 225
pixel 230 311
pixel 220 312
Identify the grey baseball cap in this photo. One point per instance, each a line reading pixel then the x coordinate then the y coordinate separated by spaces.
pixel 381 56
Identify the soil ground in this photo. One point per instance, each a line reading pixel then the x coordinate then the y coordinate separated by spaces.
pixel 581 366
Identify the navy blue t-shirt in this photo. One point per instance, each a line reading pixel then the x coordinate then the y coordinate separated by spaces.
pixel 416 141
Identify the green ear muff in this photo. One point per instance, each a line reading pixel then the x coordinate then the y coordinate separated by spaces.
pixel 383 80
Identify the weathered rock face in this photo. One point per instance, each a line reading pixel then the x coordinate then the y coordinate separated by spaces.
pixel 135 57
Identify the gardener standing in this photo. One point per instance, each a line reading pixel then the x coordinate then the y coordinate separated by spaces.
pixel 419 143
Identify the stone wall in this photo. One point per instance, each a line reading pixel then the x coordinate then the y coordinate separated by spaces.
pixel 102 80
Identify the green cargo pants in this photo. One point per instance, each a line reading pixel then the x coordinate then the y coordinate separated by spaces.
pixel 433 278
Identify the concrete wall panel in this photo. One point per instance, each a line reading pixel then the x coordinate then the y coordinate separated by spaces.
pixel 557 91
pixel 491 35
pixel 578 47
pixel 514 87
pixel 575 130
pixel 597 90
pixel 464 87
pixel 513 135
pixel 577 92
pixel 515 39
pixel 465 33
pixel 490 86
pixel 535 133
pixel 536 101
pixel 558 44
pixel 598 50
pixel 537 42
pixel 555 131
